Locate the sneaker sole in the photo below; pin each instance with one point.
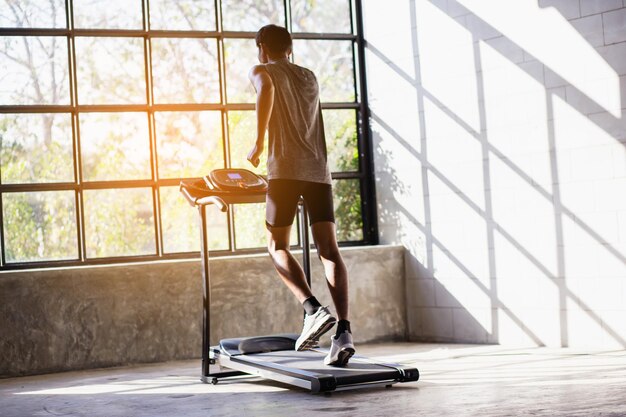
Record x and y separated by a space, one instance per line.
343 357
313 339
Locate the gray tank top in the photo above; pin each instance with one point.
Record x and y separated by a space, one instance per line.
297 145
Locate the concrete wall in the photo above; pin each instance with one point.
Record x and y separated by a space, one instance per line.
500 132
87 317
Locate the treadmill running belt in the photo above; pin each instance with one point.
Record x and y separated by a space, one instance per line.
355 372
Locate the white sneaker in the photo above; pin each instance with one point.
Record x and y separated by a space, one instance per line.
314 327
341 350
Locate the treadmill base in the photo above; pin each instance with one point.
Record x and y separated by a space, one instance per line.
306 369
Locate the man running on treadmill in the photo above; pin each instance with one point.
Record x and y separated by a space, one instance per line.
288 106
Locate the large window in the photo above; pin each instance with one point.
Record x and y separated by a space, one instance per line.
105 105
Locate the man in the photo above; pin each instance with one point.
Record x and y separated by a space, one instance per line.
288 106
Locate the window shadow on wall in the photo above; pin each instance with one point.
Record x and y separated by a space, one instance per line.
503 245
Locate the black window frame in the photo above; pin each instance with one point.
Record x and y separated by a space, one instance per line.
365 173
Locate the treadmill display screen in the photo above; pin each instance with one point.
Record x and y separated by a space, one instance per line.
234 176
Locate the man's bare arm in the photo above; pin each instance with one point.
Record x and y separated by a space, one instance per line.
264 87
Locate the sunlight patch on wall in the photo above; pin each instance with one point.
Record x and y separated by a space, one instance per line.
393 100
524 216
516 113
455 289
393 40
582 329
454 153
448 69
458 229
591 166
555 43
412 236
529 295
398 182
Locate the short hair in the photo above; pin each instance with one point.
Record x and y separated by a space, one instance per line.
276 38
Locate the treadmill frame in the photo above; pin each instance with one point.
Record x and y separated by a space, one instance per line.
214 360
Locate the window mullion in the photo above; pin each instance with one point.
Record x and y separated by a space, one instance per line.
366 155
221 62
154 162
78 172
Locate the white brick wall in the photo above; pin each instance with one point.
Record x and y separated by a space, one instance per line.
591 28
614 26
588 7
500 158
568 8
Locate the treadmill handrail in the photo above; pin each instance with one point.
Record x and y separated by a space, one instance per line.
220 203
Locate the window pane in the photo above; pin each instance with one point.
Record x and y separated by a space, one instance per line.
181 224
32 14
330 16
185 71
108 14
119 222
242 135
34 70
341 140
241 55
250 231
110 71
36 148
115 146
182 15
189 144
347 200
251 15
250 226
332 63
39 226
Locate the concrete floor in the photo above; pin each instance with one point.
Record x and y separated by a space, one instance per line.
456 380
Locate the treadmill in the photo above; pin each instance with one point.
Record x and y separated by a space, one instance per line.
273 356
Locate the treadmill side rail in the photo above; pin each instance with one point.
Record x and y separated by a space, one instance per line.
409 374
310 381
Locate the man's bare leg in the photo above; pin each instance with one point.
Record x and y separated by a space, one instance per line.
324 234
286 265
341 347
318 321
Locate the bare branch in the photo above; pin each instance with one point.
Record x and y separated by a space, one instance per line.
33 73
14 59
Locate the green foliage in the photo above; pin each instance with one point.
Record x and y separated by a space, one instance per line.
39 226
35 148
119 223
180 224
341 140
344 157
347 196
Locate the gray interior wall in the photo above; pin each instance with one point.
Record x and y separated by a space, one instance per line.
87 317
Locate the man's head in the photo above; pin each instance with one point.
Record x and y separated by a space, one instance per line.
274 42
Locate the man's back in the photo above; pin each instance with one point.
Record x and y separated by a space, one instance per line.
297 146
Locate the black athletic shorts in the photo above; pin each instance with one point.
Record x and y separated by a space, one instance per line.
282 201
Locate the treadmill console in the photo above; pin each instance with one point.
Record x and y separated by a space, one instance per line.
235 179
